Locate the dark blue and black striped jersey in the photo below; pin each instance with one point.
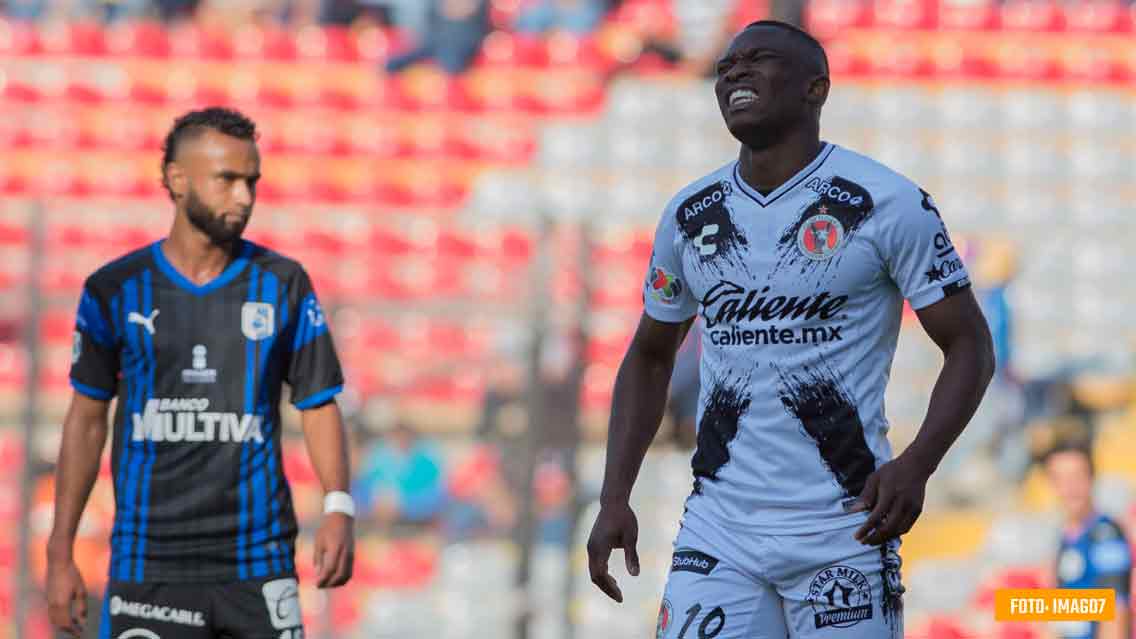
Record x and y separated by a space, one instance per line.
1096 556
198 372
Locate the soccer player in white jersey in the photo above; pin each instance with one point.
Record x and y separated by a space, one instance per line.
798 257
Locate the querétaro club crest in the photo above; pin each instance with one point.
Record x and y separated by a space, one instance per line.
665 286
820 235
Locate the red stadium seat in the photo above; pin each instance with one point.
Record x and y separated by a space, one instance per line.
566 50
191 40
829 18
968 15
1097 16
1093 61
73 38
18 39
1032 15
138 38
261 42
904 14
327 43
1017 60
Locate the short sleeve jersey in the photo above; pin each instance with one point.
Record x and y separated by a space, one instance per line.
198 373
801 293
1097 556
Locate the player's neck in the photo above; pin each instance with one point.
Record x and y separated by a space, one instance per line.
194 255
1077 520
767 168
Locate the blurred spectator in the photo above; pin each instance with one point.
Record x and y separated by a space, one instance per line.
401 479
553 494
479 503
452 37
344 12
703 30
580 17
1094 551
26 9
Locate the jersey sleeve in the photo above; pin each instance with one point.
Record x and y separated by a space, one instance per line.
666 293
313 372
94 347
1112 557
918 252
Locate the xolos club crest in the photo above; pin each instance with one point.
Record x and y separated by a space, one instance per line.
820 235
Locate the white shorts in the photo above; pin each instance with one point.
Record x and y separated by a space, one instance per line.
819 585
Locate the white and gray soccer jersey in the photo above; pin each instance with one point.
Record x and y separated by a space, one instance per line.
801 294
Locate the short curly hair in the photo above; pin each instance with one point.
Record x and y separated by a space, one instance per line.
223 120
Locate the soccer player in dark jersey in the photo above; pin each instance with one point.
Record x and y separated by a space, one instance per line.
1094 551
195 335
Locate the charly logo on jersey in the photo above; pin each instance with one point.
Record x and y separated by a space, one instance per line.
155 612
190 420
705 221
840 596
145 321
200 373
665 286
258 320
820 235
282 598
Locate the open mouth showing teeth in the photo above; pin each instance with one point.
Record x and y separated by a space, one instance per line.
741 97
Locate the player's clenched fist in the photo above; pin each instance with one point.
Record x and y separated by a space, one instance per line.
615 527
66 597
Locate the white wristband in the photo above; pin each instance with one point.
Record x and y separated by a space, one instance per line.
338 501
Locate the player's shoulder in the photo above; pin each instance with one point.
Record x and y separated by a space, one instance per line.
706 190
283 267
1105 529
864 175
114 273
883 182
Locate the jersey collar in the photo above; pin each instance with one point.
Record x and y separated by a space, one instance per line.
788 185
231 271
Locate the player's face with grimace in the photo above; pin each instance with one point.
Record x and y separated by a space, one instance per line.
214 182
769 83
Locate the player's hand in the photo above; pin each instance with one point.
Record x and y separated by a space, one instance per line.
66 597
615 527
894 495
335 550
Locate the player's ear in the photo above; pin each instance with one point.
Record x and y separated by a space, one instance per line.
817 93
176 180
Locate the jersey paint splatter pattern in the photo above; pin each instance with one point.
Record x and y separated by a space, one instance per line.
198 373
800 293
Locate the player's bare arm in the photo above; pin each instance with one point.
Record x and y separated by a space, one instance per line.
327 447
894 493
84 435
638 402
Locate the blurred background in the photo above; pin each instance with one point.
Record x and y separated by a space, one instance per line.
474 185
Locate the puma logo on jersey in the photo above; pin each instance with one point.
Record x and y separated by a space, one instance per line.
144 321
706 247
